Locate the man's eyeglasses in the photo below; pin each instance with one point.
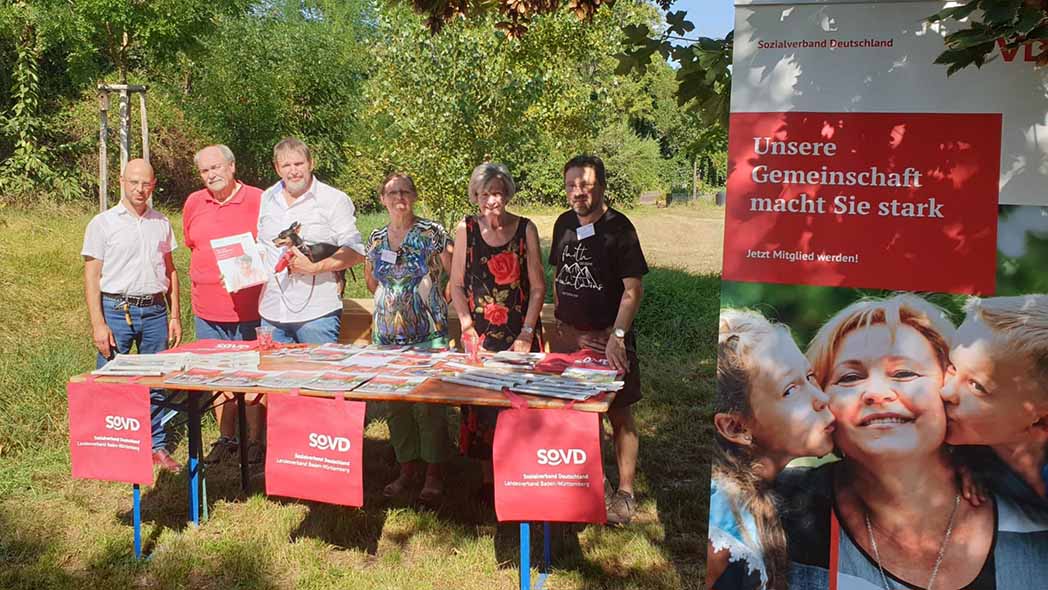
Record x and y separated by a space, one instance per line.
580 187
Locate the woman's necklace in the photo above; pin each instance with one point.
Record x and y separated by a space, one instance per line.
938 559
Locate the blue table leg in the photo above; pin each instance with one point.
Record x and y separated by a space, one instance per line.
242 435
136 520
546 547
193 431
525 556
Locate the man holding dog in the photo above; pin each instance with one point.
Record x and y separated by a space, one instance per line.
304 304
131 284
224 207
598 287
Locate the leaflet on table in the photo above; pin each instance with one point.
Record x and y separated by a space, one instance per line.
287 379
238 379
338 381
192 377
368 359
291 353
408 360
387 348
440 368
333 353
591 375
394 384
239 262
247 360
142 364
508 359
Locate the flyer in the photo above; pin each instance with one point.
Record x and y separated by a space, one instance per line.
239 262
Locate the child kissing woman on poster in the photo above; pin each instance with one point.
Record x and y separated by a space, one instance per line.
996 393
768 412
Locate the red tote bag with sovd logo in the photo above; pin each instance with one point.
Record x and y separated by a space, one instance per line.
109 432
314 449
548 465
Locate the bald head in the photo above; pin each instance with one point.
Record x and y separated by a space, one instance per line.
139 166
137 181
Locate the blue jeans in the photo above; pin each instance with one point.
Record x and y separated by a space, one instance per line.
320 330
208 330
148 332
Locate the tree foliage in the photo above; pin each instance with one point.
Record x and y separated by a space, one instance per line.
368 86
1008 22
704 77
438 105
287 68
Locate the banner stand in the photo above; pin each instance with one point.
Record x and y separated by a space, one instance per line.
525 557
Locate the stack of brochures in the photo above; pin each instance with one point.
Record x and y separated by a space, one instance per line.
556 386
145 365
507 359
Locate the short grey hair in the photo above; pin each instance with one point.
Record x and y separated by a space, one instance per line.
224 149
487 173
291 144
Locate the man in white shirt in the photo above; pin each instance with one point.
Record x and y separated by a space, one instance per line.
304 303
130 281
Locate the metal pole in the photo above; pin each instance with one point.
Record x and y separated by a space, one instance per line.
136 520
145 126
103 152
525 556
125 131
145 132
694 178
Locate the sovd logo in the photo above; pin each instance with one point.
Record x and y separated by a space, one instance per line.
122 423
561 456
326 442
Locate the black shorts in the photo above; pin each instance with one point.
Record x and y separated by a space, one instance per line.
562 338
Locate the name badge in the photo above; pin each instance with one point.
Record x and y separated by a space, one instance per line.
585 231
389 256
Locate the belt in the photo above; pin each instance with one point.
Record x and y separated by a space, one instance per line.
137 300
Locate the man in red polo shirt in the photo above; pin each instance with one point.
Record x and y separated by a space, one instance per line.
224 207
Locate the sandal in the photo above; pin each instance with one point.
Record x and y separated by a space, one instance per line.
399 485
433 489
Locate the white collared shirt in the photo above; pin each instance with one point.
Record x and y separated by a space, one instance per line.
327 216
131 249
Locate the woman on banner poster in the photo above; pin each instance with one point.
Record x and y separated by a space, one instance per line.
890 514
768 412
996 394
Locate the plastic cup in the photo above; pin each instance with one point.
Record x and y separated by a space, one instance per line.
265 337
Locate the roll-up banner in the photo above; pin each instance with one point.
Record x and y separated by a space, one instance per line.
882 406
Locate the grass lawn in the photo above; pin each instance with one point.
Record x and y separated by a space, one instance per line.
59 533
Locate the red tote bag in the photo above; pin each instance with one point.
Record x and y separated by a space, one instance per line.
548 466
314 449
109 432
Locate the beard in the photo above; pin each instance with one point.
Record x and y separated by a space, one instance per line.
297 186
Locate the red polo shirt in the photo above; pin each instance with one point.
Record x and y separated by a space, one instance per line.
203 220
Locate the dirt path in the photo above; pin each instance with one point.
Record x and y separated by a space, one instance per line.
687 237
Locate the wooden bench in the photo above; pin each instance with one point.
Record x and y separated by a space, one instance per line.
357 314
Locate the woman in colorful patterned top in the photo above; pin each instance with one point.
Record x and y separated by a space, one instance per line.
404 265
497 287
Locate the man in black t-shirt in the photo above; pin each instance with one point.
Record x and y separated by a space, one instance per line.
598 286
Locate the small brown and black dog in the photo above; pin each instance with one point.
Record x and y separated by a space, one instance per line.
289 239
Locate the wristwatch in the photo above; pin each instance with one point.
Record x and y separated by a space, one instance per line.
618 333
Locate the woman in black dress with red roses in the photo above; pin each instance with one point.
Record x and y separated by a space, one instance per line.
497 288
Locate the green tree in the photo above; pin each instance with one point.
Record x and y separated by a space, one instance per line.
440 104
286 68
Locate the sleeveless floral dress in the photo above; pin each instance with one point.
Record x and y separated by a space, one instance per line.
497 287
